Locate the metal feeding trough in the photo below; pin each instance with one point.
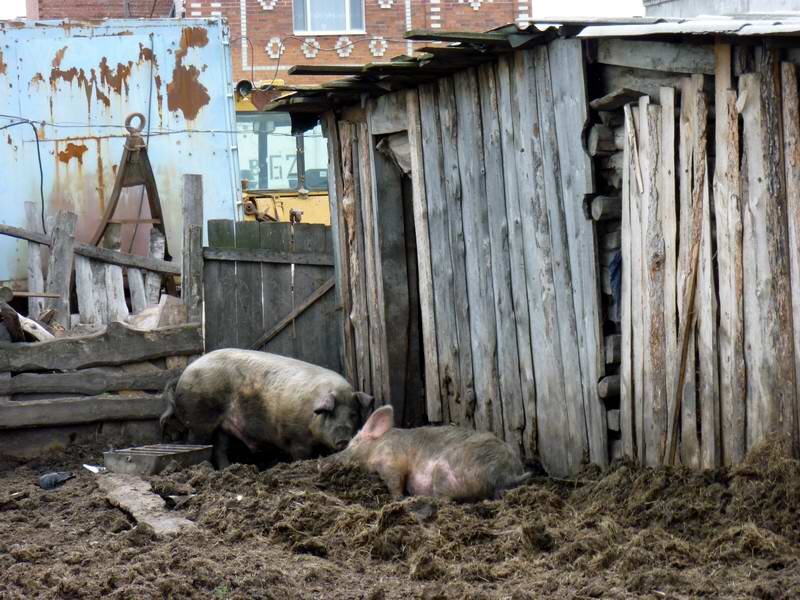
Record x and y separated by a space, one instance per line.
149 460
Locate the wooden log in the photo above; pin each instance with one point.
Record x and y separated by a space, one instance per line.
344 300
656 56
668 216
609 386
654 383
475 210
728 212
627 410
192 264
508 112
791 140
33 329
615 99
119 344
137 291
689 440
59 270
114 282
571 113
87 381
613 347
613 419
606 208
433 398
152 279
73 411
612 240
353 247
462 402
604 140
771 397
33 222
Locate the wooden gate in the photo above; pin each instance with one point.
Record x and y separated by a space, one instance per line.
269 286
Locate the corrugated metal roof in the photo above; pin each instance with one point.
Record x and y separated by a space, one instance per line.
740 25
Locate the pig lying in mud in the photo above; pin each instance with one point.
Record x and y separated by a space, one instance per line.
449 462
264 399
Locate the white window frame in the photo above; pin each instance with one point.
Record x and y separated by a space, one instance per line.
346 31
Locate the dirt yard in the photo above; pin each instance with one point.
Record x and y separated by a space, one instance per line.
312 530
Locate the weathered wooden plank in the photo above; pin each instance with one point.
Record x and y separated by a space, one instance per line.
506 91
357 317
477 243
615 99
508 417
375 301
261 255
276 286
33 222
249 317
626 401
68 411
192 264
59 270
668 217
152 280
114 283
771 362
388 114
690 88
791 141
433 398
87 381
571 114
219 279
344 300
137 291
391 234
655 375
638 289
442 274
462 406
117 345
315 338
728 211
656 56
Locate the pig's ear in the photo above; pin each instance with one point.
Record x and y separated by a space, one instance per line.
364 399
325 403
379 422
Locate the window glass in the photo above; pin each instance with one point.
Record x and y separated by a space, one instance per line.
268 153
300 15
327 15
356 14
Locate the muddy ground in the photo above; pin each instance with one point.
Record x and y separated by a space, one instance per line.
311 530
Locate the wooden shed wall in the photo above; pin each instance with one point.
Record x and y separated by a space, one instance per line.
506 258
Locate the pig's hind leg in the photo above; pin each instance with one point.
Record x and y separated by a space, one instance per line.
221 443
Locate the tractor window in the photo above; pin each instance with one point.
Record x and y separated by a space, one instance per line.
271 158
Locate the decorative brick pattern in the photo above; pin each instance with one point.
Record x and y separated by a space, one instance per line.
267 25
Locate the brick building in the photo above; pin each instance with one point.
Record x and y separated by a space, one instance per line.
269 36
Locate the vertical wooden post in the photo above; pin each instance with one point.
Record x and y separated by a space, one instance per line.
192 264
59 272
113 282
137 290
627 412
33 222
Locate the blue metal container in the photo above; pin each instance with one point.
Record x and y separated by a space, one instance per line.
78 81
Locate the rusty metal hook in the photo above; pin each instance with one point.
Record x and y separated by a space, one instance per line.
134 130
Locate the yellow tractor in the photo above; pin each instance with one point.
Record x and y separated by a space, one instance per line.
284 176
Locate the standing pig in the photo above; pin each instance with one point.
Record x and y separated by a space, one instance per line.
262 398
451 462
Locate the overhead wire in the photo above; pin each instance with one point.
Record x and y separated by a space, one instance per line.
39 158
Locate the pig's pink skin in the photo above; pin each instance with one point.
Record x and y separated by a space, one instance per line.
449 462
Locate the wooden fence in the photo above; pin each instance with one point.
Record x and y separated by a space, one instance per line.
505 257
711 277
268 287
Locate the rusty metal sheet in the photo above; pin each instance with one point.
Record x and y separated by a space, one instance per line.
78 81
